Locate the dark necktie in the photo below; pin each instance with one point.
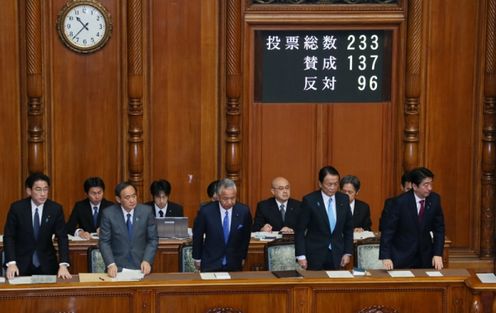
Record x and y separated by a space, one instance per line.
161 213
129 225
421 211
283 212
225 227
36 231
95 215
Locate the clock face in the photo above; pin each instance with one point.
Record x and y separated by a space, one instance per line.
84 26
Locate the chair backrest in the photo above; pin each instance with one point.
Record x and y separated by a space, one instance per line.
378 309
280 255
186 263
95 260
367 254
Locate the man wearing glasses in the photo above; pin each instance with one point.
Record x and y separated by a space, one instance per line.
278 213
128 233
28 232
324 233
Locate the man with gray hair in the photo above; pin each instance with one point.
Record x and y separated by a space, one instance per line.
221 232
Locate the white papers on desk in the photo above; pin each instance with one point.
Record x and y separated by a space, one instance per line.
94 236
20 280
266 235
339 274
363 235
2 280
35 279
218 275
401 274
76 238
129 275
487 278
434 273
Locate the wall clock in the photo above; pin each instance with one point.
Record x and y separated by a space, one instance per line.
84 26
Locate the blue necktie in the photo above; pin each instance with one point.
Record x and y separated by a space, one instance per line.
330 213
95 215
129 225
225 226
36 231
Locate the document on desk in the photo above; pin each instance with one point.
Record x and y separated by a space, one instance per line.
487 278
75 238
129 275
93 277
20 280
401 274
218 275
434 273
339 274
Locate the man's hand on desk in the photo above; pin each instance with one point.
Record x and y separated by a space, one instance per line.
388 264
84 235
197 264
146 268
266 228
12 271
303 263
64 272
112 270
345 260
287 230
437 262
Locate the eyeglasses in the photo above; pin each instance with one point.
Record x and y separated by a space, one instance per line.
281 188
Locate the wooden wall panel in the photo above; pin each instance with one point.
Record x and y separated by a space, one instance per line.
183 98
84 101
360 138
451 130
279 141
11 183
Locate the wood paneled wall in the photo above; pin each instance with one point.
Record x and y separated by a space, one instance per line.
170 96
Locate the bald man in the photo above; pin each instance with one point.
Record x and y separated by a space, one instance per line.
278 213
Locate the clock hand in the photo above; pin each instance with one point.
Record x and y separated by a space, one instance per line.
78 32
84 25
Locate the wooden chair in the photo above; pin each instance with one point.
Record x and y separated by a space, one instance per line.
378 309
95 260
280 255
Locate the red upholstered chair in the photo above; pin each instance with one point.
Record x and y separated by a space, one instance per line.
378 309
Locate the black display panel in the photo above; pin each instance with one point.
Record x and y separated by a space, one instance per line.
310 66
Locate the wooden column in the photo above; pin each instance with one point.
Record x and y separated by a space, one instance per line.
488 138
135 94
412 85
35 111
233 90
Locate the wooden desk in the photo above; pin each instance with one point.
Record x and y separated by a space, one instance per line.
248 292
476 288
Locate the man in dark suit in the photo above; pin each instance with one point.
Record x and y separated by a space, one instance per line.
278 213
324 232
405 186
128 233
350 185
30 224
406 240
162 207
221 232
86 214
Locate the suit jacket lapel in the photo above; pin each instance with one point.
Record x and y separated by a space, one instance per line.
276 212
235 221
321 209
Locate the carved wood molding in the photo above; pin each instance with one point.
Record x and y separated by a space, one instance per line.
488 157
412 85
233 91
135 94
35 110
